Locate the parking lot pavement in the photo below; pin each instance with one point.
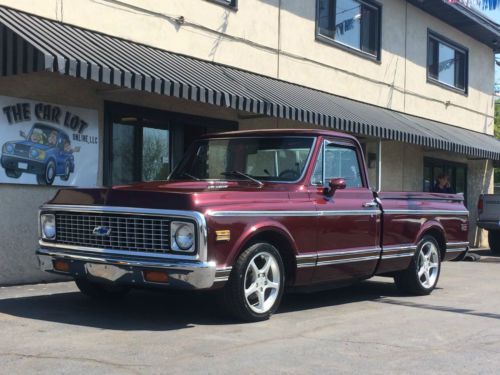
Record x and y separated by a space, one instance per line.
367 328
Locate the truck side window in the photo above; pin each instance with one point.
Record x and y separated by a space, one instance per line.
340 161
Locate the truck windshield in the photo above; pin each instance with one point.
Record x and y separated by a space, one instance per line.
280 159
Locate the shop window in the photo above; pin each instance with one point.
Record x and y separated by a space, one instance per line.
145 145
456 172
354 24
446 63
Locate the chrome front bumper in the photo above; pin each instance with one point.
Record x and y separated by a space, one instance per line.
181 274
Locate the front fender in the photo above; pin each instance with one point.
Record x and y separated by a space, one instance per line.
254 230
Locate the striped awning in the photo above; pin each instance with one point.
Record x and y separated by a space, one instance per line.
30 43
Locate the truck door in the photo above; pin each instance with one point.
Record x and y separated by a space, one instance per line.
348 241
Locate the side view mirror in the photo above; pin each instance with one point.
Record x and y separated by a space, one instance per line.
23 134
333 185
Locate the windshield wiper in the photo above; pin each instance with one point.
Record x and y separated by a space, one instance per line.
238 173
190 176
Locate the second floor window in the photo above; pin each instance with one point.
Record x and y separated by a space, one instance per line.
352 23
446 63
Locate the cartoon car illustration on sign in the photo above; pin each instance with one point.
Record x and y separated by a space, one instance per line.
45 151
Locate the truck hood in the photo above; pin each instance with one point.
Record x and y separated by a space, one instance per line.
192 195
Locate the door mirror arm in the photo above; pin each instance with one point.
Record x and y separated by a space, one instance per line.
333 185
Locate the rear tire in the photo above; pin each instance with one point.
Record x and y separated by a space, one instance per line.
255 287
421 277
101 291
494 242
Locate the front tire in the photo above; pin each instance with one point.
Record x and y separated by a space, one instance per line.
49 175
494 242
255 287
101 291
421 277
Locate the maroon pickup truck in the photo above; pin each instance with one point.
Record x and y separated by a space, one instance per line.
253 213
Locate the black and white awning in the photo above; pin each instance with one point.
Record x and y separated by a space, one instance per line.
30 44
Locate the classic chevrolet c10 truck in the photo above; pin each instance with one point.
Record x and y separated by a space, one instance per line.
252 214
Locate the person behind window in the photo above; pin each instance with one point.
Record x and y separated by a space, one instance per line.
443 185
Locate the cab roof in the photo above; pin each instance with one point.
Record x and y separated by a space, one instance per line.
280 132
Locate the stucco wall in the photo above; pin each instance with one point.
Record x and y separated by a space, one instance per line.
280 42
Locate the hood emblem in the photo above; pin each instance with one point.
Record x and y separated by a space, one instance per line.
101 231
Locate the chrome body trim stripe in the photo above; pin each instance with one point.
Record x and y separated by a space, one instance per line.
350 260
294 213
425 212
306 265
334 213
456 250
349 252
395 256
199 218
395 249
457 244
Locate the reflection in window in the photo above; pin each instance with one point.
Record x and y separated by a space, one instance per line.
353 23
340 162
447 63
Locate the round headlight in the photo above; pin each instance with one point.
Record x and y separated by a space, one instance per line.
34 153
9 148
184 237
48 224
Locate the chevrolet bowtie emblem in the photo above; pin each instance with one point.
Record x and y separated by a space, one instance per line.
102 231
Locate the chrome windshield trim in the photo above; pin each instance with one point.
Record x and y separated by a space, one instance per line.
198 217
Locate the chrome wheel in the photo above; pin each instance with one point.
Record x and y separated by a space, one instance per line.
428 265
262 282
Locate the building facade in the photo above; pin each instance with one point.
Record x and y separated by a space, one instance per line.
132 83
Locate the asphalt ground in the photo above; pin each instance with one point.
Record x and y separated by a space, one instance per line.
369 328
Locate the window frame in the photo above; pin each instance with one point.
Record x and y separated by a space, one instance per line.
456 47
432 162
333 42
112 110
345 144
233 4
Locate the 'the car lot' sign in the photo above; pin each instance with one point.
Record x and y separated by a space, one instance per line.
48 144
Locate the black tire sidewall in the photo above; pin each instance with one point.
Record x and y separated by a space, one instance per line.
52 165
494 241
237 281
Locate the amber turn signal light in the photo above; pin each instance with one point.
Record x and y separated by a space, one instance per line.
156 276
61 266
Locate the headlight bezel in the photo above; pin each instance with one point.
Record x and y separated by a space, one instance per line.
176 242
6 147
44 219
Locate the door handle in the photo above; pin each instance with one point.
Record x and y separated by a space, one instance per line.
370 204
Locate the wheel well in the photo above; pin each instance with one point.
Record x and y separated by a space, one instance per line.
439 237
284 247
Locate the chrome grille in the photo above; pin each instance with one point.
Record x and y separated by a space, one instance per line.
22 150
149 234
